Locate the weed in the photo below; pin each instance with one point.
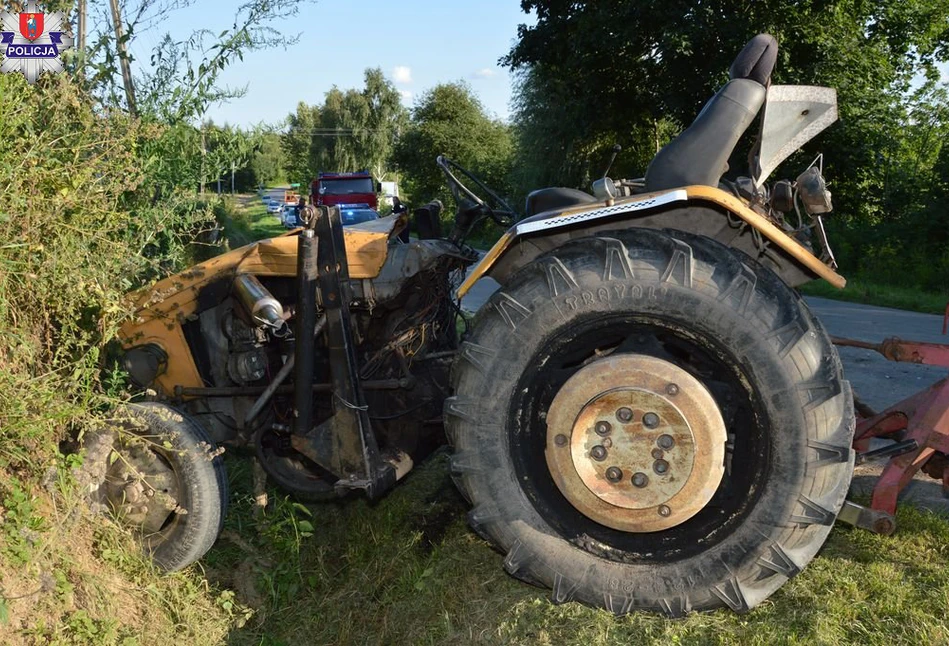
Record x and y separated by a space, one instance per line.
22 526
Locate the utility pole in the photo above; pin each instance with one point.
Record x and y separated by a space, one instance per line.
204 152
232 178
123 57
81 28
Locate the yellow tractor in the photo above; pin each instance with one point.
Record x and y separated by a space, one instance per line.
644 415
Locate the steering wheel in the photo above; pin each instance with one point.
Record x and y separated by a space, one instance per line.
504 216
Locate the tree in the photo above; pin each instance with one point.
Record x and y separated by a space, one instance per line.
352 130
266 163
595 72
449 120
297 143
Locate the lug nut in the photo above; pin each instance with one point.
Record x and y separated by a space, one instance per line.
650 420
602 428
640 480
660 466
672 390
614 474
665 442
664 510
560 440
598 453
657 454
624 414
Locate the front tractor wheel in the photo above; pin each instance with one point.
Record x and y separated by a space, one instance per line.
166 482
649 420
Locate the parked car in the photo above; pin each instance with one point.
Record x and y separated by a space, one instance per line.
356 213
349 214
274 207
290 217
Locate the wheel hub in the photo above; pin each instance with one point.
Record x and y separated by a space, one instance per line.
141 488
635 443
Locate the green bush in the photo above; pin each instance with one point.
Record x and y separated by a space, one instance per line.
83 219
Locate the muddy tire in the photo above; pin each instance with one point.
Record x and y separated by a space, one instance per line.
167 483
708 314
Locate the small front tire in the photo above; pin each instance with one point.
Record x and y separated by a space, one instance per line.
166 481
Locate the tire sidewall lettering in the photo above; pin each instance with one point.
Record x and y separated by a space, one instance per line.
619 292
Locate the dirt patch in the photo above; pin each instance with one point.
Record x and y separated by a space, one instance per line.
443 507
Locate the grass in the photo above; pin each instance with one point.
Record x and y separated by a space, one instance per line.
871 292
245 219
406 570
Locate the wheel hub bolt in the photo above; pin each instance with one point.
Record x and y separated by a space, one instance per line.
624 414
614 474
672 390
560 440
665 442
650 420
664 510
660 466
598 453
603 428
640 480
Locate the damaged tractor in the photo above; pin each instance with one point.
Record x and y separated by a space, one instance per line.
645 415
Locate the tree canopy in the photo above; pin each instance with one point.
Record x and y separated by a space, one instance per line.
594 73
351 130
450 120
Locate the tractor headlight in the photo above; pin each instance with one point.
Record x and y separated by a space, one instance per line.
813 191
145 363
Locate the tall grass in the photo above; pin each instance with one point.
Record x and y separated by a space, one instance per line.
79 226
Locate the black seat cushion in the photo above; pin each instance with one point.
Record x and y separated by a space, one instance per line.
699 155
556 197
756 60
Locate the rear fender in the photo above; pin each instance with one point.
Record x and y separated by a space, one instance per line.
701 210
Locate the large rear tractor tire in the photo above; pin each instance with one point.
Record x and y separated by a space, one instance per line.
166 482
649 420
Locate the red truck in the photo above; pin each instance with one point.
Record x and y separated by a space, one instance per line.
344 188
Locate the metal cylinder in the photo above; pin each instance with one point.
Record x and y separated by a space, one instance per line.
258 302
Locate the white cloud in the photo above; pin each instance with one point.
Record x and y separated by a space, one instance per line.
484 72
402 74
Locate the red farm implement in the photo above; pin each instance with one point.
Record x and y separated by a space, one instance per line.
917 426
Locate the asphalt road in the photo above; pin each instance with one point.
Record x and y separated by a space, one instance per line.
879 383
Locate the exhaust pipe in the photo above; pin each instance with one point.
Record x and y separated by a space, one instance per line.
260 304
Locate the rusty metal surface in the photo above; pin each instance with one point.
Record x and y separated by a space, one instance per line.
927 422
878 522
922 417
635 443
895 349
141 488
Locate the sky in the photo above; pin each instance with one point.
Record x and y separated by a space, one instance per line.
417 43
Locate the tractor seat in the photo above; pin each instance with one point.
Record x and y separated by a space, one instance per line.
699 155
555 197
